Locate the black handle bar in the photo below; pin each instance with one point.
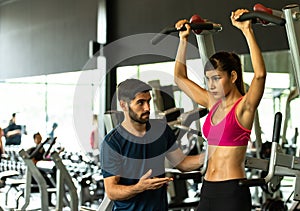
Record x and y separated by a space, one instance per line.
45 156
277 127
262 16
37 149
194 26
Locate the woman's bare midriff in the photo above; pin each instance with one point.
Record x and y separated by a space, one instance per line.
225 163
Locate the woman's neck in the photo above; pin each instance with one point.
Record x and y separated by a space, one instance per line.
229 100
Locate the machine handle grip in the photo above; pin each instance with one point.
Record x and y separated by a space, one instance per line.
194 26
252 182
262 16
47 153
277 127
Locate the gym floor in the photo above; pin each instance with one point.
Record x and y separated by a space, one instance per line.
35 201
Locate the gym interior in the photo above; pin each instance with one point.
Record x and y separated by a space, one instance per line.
61 62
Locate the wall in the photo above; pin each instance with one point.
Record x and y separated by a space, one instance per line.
51 36
130 17
41 37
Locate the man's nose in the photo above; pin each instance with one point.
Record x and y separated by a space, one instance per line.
147 106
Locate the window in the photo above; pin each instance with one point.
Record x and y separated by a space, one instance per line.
274 99
41 101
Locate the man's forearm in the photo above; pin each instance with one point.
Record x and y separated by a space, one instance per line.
122 192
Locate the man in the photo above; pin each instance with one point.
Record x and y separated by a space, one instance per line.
133 154
13 132
48 174
37 138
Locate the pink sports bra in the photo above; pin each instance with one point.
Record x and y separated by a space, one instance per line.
228 132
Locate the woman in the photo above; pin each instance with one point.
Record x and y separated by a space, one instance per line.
228 125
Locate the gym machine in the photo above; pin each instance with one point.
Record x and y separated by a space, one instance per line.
33 172
290 17
63 179
177 118
280 164
11 172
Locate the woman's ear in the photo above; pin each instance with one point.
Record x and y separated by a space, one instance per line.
233 76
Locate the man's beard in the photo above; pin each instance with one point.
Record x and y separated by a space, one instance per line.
134 116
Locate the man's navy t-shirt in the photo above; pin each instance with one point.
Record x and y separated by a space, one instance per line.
131 157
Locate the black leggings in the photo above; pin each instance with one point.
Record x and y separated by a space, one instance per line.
224 196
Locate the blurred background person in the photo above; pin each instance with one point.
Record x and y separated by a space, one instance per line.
94 139
13 132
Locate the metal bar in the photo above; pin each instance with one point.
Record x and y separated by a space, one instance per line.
33 171
64 178
292 16
257 163
206 46
106 204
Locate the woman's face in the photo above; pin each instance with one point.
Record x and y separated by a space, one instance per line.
219 83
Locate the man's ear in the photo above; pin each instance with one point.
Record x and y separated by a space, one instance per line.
233 76
124 105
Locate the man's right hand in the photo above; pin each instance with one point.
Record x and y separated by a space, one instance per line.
115 191
151 183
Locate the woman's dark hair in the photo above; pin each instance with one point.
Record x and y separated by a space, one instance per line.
227 61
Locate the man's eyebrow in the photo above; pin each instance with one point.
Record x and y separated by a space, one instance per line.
139 100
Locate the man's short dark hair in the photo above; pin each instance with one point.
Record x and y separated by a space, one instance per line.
128 89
